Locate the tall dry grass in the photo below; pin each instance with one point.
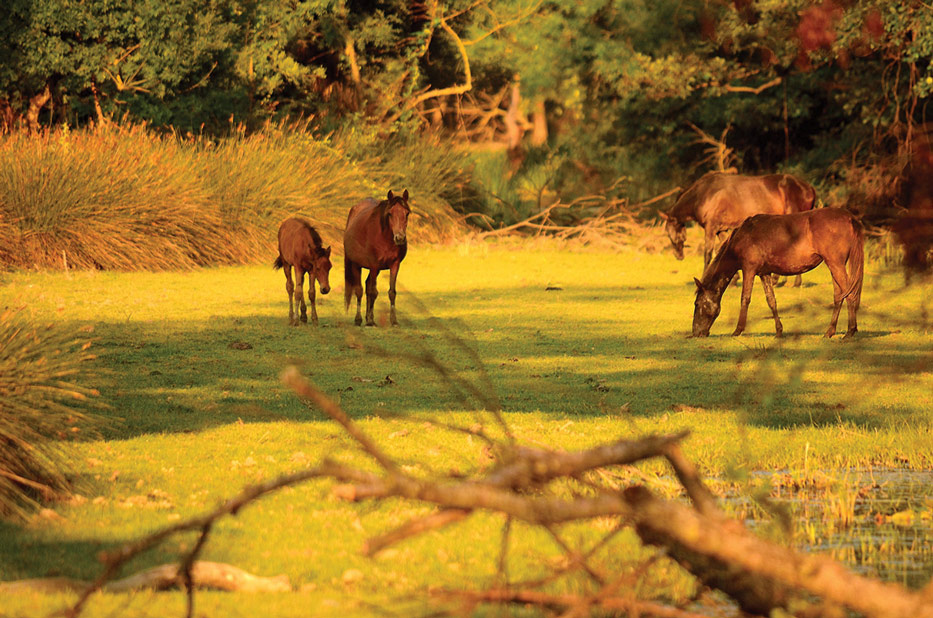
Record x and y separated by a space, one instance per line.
42 404
126 198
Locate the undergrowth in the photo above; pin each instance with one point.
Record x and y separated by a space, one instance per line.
126 198
44 400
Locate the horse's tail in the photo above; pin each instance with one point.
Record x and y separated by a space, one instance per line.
857 259
278 263
350 281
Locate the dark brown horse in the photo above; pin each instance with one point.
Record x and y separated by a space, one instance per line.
720 202
300 246
374 239
785 245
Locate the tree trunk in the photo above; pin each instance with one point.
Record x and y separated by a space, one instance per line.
515 129
539 132
36 104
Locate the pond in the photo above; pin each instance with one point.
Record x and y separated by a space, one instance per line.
878 522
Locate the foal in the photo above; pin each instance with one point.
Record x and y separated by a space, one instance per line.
785 245
300 246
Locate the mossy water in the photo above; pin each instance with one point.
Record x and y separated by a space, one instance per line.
577 346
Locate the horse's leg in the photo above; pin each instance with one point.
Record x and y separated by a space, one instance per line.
798 280
299 292
371 295
311 296
290 288
354 277
709 244
748 280
393 274
768 284
840 284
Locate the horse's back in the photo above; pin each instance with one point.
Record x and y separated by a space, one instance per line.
730 199
296 239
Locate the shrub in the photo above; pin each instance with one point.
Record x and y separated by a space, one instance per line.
43 404
126 198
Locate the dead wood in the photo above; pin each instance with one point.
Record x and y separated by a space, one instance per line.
204 575
562 602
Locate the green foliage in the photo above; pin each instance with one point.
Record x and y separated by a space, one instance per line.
45 393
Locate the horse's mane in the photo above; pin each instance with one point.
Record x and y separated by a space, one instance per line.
315 237
717 260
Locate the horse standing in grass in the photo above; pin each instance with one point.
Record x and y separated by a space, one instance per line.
785 245
720 202
300 246
374 239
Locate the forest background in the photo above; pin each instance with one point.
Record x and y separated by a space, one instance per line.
526 103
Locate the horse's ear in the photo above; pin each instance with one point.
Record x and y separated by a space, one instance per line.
391 195
699 285
327 252
405 195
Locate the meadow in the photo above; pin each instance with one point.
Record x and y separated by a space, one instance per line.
578 345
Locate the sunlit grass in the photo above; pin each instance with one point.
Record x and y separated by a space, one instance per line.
604 356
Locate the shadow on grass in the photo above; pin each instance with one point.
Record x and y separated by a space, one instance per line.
187 376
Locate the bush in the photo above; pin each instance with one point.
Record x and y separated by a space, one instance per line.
125 198
43 404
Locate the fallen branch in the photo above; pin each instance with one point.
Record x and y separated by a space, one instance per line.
204 575
564 602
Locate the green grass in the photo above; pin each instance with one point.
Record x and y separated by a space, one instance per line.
194 417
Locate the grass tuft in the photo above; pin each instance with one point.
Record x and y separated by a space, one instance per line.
126 198
43 403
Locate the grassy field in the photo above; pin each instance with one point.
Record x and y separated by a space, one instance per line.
579 346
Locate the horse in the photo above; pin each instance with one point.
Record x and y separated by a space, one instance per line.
300 246
375 239
720 202
785 245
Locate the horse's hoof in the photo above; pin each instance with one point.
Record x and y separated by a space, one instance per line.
738 332
850 333
370 323
358 321
829 334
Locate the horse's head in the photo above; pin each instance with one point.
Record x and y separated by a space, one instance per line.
705 310
677 232
798 195
396 216
322 268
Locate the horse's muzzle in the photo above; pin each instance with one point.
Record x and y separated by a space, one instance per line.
399 239
325 290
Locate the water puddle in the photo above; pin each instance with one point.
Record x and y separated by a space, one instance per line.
878 522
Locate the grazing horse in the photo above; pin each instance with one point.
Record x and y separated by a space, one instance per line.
720 202
300 246
374 239
785 245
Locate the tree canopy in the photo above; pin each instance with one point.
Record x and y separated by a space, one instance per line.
620 87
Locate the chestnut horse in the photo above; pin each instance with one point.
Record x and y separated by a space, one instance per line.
785 245
300 246
720 202
374 239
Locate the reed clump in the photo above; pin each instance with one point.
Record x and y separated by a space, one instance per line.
43 405
122 197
